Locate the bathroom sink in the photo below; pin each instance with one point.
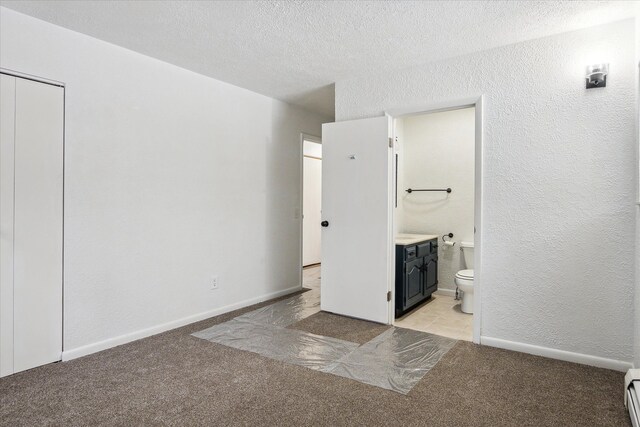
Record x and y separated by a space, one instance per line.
403 239
408 239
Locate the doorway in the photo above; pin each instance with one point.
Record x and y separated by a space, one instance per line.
434 209
311 211
473 106
359 191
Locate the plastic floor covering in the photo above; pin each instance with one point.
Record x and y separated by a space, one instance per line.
394 360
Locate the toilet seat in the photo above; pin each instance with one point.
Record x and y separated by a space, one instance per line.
465 274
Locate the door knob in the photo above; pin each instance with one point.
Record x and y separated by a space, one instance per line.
324 223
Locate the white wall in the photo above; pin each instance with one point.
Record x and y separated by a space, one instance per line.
558 189
439 152
170 178
636 351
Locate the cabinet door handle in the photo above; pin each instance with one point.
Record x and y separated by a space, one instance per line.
324 223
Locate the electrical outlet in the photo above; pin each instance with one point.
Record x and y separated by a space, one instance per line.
214 283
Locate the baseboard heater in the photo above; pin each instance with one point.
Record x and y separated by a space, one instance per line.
632 395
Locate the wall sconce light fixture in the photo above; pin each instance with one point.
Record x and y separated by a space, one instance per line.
597 75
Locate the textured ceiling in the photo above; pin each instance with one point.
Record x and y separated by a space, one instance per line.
296 50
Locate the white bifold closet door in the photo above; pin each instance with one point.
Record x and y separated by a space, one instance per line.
31 196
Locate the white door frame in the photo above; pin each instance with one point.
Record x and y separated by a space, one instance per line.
477 102
313 138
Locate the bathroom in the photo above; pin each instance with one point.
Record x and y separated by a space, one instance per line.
434 209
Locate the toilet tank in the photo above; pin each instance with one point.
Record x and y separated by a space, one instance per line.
467 251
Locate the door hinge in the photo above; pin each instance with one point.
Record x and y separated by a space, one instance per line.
389 296
390 142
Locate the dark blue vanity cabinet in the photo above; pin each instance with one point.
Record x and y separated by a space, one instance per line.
416 274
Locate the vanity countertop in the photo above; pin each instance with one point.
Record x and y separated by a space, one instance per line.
410 239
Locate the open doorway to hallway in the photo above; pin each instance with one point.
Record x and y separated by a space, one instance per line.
311 211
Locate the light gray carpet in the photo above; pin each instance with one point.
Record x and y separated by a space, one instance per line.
176 379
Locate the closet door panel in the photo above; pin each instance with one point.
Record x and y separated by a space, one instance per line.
7 117
38 224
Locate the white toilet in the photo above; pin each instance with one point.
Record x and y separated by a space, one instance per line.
464 278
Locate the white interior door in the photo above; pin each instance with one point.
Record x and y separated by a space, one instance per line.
356 184
312 202
31 259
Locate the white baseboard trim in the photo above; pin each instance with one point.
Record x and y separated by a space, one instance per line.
567 356
446 292
143 333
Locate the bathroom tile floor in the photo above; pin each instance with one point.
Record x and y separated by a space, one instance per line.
440 315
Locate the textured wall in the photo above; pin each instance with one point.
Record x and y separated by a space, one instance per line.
636 348
171 177
558 199
438 152
636 351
